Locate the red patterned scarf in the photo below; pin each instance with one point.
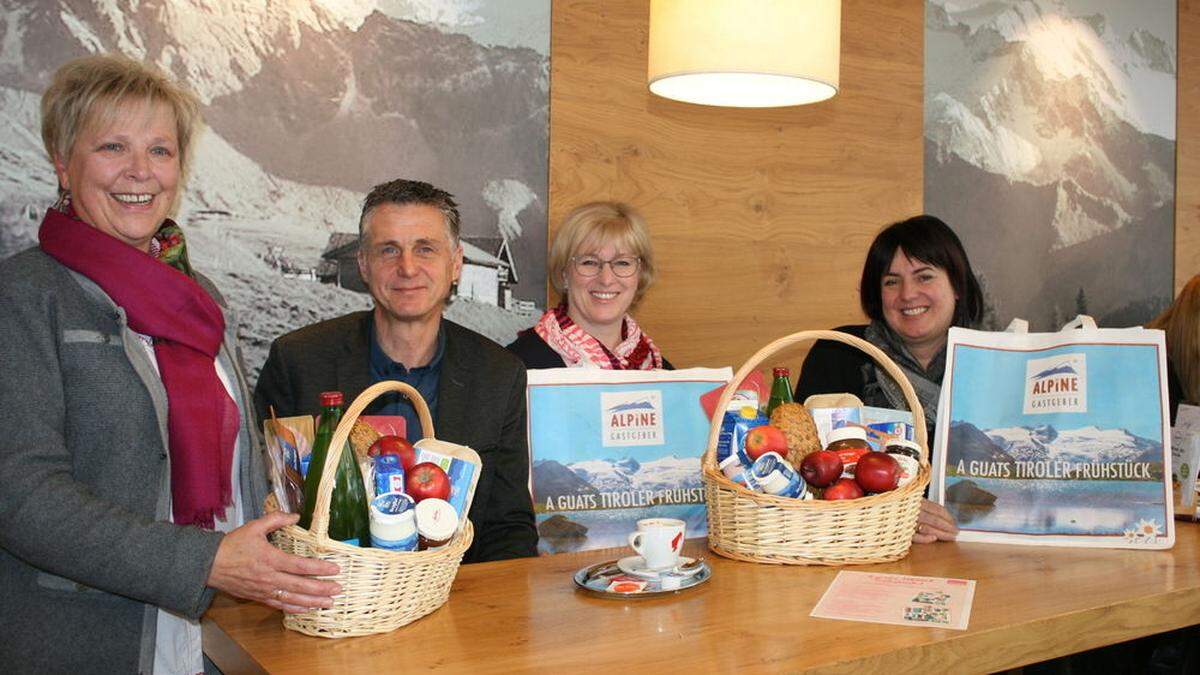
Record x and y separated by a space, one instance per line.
579 349
188 327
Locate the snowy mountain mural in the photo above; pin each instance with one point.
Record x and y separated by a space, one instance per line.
595 502
1088 444
615 475
1039 480
308 104
668 472
1049 147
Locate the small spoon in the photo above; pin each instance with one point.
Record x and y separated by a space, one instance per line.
600 569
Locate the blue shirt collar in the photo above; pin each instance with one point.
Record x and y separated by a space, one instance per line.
382 365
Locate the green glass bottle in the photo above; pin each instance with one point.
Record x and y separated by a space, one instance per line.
781 390
348 516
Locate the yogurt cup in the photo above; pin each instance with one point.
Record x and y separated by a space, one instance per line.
393 522
775 476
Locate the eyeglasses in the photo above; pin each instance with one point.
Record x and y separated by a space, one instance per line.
622 266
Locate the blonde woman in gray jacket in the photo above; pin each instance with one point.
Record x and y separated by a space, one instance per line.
131 479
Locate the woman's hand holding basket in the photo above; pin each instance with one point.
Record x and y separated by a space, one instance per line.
248 566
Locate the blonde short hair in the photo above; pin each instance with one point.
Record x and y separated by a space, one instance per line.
589 227
91 89
1181 323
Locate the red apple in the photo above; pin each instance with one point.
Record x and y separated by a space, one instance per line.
426 480
845 488
395 445
821 468
763 439
877 472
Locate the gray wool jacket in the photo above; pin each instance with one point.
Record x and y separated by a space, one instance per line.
87 555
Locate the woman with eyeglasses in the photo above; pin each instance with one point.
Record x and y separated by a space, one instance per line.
601 264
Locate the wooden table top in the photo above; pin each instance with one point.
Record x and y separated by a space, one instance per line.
1031 604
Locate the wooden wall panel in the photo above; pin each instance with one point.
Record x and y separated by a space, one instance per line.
759 218
1187 146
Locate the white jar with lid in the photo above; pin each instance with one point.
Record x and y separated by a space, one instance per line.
907 454
437 522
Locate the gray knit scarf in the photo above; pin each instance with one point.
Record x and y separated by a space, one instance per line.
882 391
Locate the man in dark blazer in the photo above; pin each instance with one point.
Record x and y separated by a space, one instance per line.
410 256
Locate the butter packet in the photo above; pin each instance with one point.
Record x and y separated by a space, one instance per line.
626 584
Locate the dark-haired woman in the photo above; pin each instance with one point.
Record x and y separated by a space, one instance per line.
916 284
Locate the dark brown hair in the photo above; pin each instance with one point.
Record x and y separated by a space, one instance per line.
928 239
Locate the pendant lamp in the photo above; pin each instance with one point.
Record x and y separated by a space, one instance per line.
745 53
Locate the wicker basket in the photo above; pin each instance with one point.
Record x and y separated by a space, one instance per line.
757 527
381 590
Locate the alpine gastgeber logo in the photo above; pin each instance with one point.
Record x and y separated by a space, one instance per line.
1056 384
632 418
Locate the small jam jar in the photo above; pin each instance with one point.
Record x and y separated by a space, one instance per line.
849 443
908 455
436 523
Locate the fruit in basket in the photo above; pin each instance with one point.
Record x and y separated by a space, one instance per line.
763 439
877 472
821 468
798 427
845 488
395 445
427 480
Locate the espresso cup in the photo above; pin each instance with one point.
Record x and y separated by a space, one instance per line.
659 541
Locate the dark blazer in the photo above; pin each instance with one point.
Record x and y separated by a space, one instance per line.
834 368
536 354
481 404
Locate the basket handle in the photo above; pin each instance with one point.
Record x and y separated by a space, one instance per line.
320 518
910 395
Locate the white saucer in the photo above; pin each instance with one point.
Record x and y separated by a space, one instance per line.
636 565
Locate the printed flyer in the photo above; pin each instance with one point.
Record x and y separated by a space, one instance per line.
1056 438
898 599
612 447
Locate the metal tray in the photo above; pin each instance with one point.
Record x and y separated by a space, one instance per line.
607 581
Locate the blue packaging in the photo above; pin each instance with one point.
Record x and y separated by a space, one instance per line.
389 474
773 475
734 427
879 433
734 467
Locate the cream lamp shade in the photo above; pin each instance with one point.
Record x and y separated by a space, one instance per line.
745 53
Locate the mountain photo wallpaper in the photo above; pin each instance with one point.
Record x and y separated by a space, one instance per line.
308 104
1050 149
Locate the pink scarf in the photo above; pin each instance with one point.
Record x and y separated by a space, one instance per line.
187 327
579 349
